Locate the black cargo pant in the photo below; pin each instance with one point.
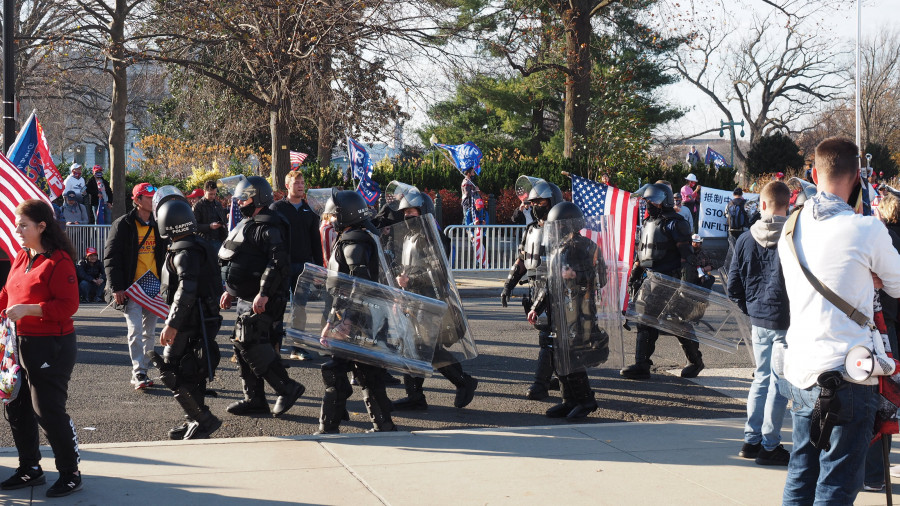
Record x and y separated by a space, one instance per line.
47 363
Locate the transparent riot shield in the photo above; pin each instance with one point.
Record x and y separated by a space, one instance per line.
394 192
583 281
226 185
687 310
417 264
365 321
317 197
524 184
164 194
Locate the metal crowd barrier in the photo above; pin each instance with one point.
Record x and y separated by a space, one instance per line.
501 243
87 236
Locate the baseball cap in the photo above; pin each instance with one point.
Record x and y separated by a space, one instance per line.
696 238
780 175
197 193
90 251
145 189
97 169
71 195
76 167
479 204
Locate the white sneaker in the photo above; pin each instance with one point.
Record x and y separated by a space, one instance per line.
895 471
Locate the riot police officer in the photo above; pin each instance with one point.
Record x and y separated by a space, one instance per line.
255 265
543 196
418 278
583 272
190 284
355 253
665 247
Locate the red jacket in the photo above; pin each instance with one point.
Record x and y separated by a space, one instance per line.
51 282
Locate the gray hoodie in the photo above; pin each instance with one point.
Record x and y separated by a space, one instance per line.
767 230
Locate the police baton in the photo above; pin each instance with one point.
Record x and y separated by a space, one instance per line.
210 372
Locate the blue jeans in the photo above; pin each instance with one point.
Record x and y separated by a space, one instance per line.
765 404
836 476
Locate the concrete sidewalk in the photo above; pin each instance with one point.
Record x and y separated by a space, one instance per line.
679 463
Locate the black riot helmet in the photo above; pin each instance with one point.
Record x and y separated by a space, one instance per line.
257 188
570 213
418 199
349 208
657 193
175 218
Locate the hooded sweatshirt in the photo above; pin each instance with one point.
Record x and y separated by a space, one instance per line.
755 281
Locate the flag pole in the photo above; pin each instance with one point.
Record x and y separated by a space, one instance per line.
9 74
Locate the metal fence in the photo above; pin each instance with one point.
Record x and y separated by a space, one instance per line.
501 244
87 236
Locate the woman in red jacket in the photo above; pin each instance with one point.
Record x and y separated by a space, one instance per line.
40 296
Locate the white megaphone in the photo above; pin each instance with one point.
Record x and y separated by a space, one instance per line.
861 364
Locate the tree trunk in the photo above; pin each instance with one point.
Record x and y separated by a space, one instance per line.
577 22
325 129
117 112
279 127
325 123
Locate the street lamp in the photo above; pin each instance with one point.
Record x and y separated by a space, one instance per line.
730 125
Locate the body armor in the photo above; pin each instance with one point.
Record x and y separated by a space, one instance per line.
655 242
534 249
243 265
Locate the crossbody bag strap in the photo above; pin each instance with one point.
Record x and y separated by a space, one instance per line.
789 228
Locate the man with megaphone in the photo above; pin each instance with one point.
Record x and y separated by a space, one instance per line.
832 260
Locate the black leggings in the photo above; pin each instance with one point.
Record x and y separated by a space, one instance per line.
47 363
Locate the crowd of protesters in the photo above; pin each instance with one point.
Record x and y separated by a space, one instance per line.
779 259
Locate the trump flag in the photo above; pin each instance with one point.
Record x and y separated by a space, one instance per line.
462 156
31 155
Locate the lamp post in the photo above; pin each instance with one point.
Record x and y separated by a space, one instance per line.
731 125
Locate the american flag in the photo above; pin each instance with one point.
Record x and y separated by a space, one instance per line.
480 255
297 158
16 188
145 292
234 216
598 199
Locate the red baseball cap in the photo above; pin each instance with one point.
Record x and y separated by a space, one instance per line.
780 175
196 194
97 169
145 189
90 251
479 204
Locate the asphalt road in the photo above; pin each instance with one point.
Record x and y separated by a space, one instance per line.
105 408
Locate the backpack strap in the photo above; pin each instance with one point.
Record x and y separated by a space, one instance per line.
789 228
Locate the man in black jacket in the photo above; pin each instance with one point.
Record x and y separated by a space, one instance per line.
211 218
98 189
133 248
304 241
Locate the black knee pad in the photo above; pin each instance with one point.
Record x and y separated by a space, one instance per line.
259 357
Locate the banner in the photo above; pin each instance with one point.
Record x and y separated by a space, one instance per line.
462 156
713 203
31 155
713 156
360 165
369 189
